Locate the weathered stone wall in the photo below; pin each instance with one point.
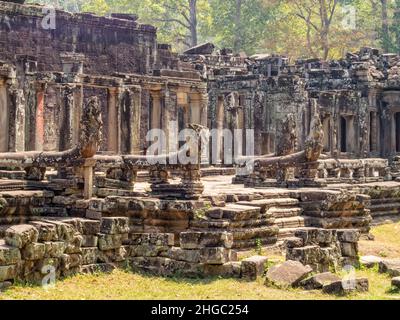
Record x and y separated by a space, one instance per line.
110 45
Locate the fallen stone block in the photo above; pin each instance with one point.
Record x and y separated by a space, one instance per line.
343 287
390 266
33 251
229 269
370 261
20 235
253 267
287 274
198 240
114 225
9 255
317 281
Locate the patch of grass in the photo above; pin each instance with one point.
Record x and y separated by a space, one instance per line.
385 245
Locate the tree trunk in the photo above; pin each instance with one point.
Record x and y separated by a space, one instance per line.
385 27
193 22
396 25
237 46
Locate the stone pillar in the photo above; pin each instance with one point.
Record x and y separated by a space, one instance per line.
78 103
155 115
16 103
113 124
4 118
195 108
88 178
220 128
39 123
166 118
135 119
67 119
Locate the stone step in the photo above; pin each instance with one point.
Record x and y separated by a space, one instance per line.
385 206
265 220
12 174
237 212
292 222
255 233
253 243
265 204
286 233
285 212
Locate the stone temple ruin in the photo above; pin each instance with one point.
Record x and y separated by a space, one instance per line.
78 192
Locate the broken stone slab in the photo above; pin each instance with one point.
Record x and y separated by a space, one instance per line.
287 274
199 240
33 251
9 255
370 261
253 267
114 225
343 287
317 281
390 266
20 235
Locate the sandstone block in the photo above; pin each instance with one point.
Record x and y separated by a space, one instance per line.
20 235
342 287
54 249
349 249
348 235
370 261
114 225
89 241
89 255
317 281
180 254
396 282
215 255
287 274
253 267
198 240
9 255
110 241
8 272
157 239
33 251
390 266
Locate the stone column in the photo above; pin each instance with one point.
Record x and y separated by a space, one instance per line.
135 119
88 178
16 103
166 118
195 108
155 115
4 118
220 128
112 125
67 119
39 118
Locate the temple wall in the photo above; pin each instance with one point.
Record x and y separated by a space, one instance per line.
110 45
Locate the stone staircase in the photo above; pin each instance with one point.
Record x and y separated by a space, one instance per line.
383 210
252 223
285 212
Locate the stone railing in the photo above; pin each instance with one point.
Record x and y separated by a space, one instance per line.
121 173
354 171
297 169
77 161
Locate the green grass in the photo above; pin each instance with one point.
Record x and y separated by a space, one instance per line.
122 284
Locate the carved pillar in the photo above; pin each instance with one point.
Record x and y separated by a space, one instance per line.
112 125
195 108
155 114
220 128
135 119
40 122
16 104
4 117
67 119
166 118
88 168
